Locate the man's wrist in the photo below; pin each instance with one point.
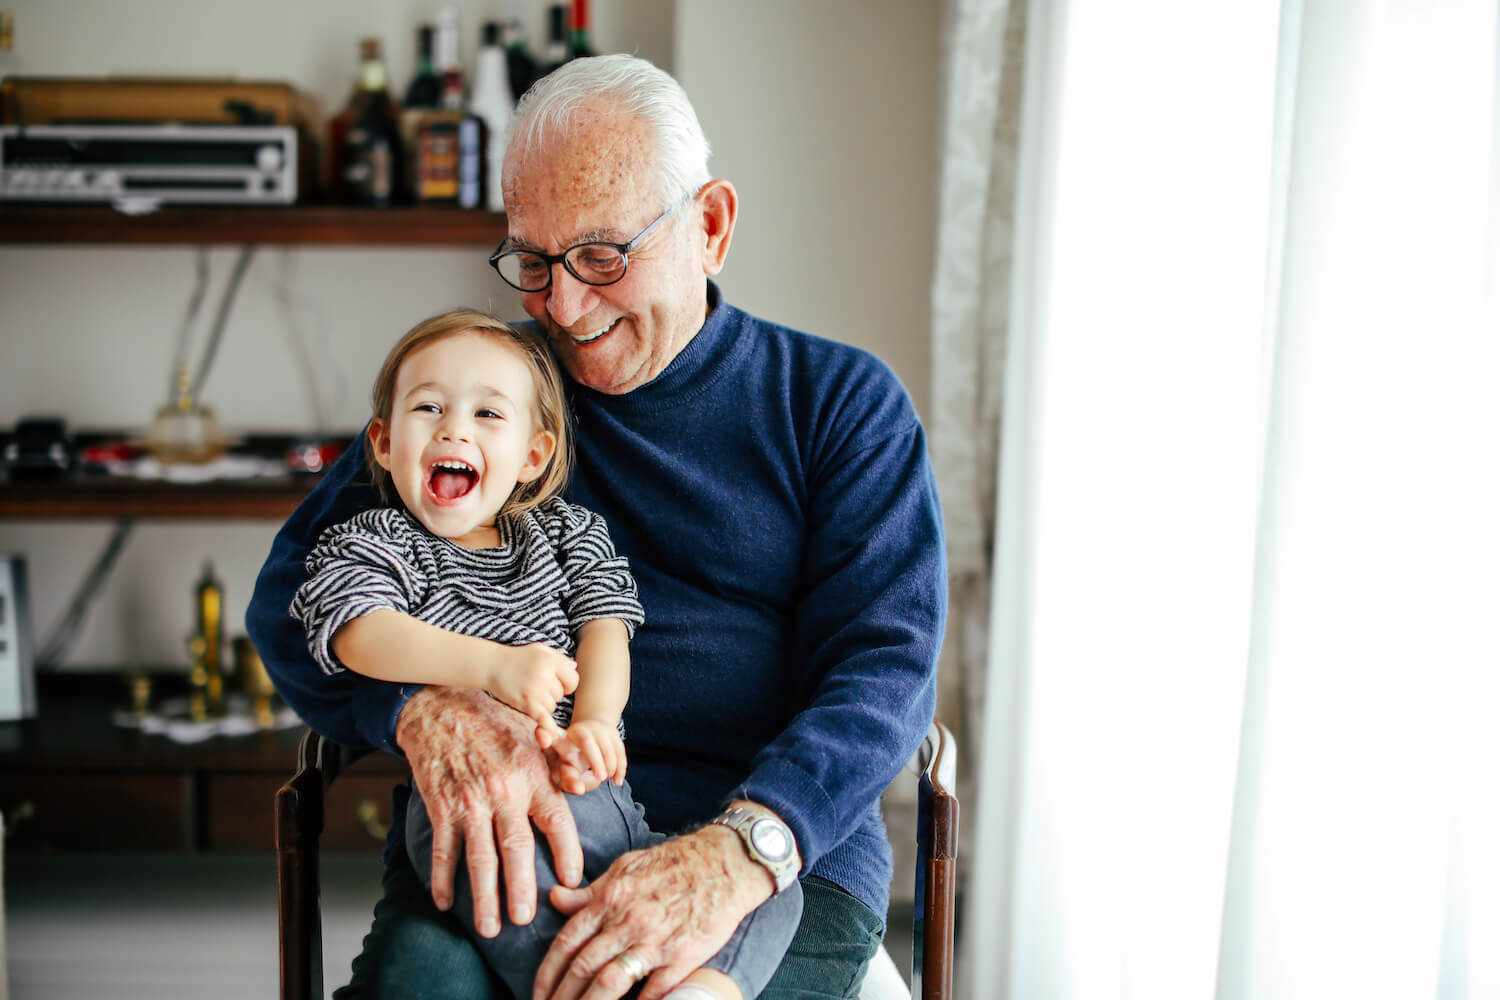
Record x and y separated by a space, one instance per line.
766 841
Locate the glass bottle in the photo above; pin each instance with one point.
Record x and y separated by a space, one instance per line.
373 157
493 102
579 44
451 151
558 51
423 94
519 63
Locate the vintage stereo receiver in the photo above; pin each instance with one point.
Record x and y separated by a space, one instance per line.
166 164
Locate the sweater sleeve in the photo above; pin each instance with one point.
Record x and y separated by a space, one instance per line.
344 706
600 584
358 566
867 630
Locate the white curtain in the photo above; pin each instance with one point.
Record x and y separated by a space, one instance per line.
1243 696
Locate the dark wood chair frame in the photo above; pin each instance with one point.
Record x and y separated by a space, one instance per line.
299 823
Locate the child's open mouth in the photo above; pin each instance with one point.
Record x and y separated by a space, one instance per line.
450 480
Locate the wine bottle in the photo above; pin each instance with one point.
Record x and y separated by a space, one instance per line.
558 51
423 94
373 157
493 102
519 63
579 44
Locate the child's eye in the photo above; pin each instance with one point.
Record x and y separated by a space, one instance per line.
427 408
489 414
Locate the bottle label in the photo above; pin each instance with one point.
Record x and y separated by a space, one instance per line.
437 160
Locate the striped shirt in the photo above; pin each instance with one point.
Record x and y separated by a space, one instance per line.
553 571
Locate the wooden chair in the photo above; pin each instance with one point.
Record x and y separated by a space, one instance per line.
299 822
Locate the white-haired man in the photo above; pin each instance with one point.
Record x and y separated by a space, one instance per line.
773 495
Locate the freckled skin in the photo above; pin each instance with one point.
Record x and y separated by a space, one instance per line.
597 182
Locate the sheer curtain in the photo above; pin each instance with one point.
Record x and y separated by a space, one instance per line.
1240 723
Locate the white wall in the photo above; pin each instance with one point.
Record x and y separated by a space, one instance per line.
823 114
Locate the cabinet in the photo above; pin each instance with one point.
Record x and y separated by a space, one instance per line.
73 780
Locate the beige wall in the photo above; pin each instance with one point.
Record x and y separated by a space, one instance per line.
822 113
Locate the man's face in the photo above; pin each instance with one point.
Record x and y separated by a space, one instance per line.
598 184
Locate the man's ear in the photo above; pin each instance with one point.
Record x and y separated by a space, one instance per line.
380 443
720 206
543 444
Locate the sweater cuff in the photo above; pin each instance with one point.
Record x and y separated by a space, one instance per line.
377 705
801 802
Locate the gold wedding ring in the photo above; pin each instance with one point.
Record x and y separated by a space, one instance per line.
633 965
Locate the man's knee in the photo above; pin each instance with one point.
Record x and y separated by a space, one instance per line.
833 946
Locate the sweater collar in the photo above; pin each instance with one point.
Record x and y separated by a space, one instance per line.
695 370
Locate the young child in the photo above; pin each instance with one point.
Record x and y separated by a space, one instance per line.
470 427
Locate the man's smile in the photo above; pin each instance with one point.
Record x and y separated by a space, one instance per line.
589 338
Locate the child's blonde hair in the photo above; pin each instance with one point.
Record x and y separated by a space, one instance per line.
551 404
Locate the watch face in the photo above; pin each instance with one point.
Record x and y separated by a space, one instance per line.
771 840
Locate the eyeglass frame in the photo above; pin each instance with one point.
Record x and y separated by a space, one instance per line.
551 259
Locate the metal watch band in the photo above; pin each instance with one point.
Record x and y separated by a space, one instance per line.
782 865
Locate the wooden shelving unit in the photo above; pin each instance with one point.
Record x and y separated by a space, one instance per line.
106 497
297 225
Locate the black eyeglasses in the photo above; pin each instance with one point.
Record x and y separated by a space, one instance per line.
591 263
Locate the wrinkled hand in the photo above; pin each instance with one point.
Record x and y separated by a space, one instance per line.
672 906
532 679
590 752
485 783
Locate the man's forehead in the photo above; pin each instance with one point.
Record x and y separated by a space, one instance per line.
588 184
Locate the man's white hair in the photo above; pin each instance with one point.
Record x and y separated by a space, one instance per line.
631 85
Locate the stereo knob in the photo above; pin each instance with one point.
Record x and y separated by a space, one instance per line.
268 158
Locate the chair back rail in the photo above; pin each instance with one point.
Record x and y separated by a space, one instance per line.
936 878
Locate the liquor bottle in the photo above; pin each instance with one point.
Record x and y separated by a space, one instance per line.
558 51
519 64
493 102
451 150
579 45
423 95
373 157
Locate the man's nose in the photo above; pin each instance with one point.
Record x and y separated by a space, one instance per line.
568 299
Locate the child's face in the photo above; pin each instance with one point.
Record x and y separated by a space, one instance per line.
462 434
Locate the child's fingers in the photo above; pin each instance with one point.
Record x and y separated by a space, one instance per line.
595 755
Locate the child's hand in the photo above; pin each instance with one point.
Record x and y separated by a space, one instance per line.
589 752
532 679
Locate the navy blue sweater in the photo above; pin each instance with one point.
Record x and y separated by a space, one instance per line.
773 495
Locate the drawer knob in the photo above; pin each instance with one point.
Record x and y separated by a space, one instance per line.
368 814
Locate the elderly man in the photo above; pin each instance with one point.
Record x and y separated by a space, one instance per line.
773 495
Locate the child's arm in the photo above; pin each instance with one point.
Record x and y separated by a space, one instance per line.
391 646
592 741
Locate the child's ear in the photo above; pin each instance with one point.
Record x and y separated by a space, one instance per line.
380 443
543 445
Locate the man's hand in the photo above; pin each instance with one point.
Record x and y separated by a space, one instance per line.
671 906
589 752
532 679
484 780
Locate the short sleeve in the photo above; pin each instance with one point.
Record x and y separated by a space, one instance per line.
600 584
359 566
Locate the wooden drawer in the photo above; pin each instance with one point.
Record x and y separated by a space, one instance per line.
240 811
97 811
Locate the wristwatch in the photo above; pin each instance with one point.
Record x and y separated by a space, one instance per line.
768 841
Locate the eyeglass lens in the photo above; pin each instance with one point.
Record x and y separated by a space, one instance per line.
591 263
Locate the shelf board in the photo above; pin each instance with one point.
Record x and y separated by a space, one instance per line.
297 225
105 497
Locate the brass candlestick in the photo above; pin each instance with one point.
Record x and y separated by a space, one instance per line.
210 600
255 680
198 680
